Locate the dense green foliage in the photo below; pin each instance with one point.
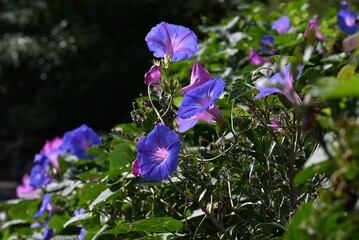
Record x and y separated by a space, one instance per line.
239 179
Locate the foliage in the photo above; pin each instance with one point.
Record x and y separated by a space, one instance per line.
270 168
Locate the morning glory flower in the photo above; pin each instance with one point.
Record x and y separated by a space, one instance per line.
153 77
44 205
208 116
267 45
347 20
39 177
52 151
79 140
313 30
25 190
198 76
136 168
201 98
281 25
173 41
255 59
279 83
157 153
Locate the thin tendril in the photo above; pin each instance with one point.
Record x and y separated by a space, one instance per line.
153 106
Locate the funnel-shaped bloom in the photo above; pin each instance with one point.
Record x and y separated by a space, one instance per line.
198 76
52 150
255 59
153 77
281 25
25 190
166 39
347 19
157 153
39 176
312 31
79 140
201 98
44 205
280 83
267 45
208 116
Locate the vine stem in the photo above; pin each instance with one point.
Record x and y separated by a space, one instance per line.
153 106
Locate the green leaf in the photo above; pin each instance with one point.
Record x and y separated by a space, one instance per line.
296 224
309 172
89 192
346 72
110 192
349 88
78 218
159 224
58 221
121 159
240 88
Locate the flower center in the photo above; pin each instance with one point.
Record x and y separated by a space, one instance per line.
161 154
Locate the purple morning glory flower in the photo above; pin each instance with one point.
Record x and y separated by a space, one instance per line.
174 41
267 45
255 59
313 29
347 20
281 25
51 150
43 205
198 76
153 76
208 116
280 83
48 233
79 140
136 168
39 176
201 98
157 153
25 190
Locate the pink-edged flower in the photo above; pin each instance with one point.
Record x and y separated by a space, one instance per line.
274 123
170 40
157 153
312 31
208 116
347 20
153 77
198 76
25 190
279 83
255 59
52 150
281 25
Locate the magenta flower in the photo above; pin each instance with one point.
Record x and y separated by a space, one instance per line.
157 153
255 59
176 42
52 150
281 25
153 77
279 83
274 123
198 76
347 20
79 140
25 190
313 30
136 168
39 177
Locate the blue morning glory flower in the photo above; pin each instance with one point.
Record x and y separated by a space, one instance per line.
267 45
201 98
39 176
79 140
43 205
279 83
157 153
347 19
281 25
177 42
